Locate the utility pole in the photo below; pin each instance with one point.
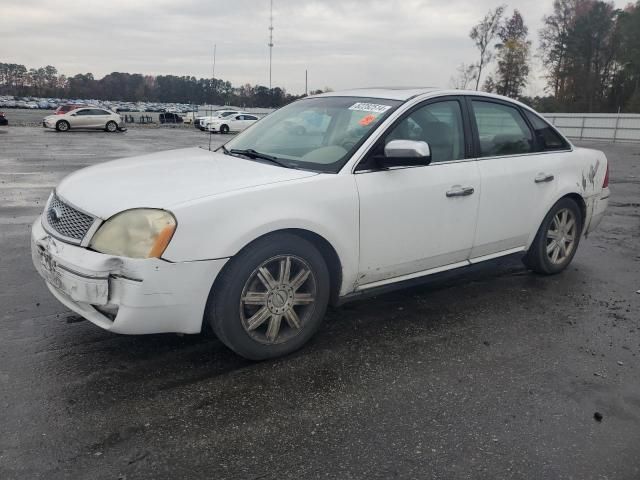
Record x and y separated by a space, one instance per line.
270 42
213 73
214 87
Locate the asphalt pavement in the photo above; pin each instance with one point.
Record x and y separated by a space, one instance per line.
490 373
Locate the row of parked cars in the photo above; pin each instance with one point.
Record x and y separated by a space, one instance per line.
35 103
75 115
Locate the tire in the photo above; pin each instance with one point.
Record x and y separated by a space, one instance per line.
255 320
111 126
557 240
224 129
63 126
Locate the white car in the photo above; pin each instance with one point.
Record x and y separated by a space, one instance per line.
258 237
89 117
231 123
204 121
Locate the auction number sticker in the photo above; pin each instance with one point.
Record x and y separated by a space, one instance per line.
369 107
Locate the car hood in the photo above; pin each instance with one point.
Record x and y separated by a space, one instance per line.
164 179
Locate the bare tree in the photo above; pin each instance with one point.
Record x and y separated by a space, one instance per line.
483 34
465 74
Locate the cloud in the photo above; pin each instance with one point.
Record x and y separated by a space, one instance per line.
342 43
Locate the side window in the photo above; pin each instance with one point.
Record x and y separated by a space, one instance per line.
250 117
548 138
501 129
440 125
239 117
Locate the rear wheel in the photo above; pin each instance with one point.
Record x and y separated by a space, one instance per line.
62 126
111 126
557 239
224 129
271 297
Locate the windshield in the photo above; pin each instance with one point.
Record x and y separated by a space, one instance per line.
317 134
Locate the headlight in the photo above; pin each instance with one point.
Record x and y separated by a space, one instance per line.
139 233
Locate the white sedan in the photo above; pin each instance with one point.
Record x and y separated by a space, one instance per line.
81 118
257 238
231 123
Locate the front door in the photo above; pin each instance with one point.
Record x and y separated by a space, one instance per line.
81 118
419 218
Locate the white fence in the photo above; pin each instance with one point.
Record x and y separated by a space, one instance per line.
611 127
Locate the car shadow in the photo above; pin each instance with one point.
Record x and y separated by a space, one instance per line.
172 361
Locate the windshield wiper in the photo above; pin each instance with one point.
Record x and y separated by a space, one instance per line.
251 153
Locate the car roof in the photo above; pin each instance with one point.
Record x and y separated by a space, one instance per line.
407 93
389 93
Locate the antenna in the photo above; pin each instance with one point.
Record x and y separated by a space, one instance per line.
270 41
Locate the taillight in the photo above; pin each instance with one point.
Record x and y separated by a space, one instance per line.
605 182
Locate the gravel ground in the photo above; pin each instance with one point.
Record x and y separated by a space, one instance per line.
491 372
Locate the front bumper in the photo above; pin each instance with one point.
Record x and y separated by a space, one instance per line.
125 295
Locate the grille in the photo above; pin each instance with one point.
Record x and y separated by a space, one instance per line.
66 220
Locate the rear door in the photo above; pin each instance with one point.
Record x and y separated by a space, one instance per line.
99 118
518 176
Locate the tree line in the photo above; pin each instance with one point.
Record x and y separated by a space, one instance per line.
590 52
134 87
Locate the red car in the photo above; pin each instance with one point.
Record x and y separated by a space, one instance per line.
62 109
3 119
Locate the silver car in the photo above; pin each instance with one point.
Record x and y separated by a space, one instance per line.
89 117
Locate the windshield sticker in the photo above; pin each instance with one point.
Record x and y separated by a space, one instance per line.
368 120
369 107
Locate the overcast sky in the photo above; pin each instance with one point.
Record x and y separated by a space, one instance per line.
343 43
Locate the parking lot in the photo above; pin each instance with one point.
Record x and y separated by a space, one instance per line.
490 372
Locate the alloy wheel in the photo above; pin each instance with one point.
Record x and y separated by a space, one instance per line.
561 236
278 299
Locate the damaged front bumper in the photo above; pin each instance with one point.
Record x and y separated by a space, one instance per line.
125 295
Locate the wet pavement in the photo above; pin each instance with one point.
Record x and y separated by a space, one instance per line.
489 373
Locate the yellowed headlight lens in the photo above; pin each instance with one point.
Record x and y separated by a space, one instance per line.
139 233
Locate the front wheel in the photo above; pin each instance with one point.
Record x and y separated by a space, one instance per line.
557 239
111 126
271 298
224 129
62 126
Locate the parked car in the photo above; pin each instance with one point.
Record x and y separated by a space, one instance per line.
3 119
231 123
94 118
68 107
256 238
204 121
170 118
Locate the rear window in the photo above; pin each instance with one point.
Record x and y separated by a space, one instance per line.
547 136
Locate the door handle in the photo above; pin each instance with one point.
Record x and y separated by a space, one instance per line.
544 177
458 191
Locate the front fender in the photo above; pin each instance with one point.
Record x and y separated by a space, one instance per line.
220 226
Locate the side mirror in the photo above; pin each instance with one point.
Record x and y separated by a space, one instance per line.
405 153
74 114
